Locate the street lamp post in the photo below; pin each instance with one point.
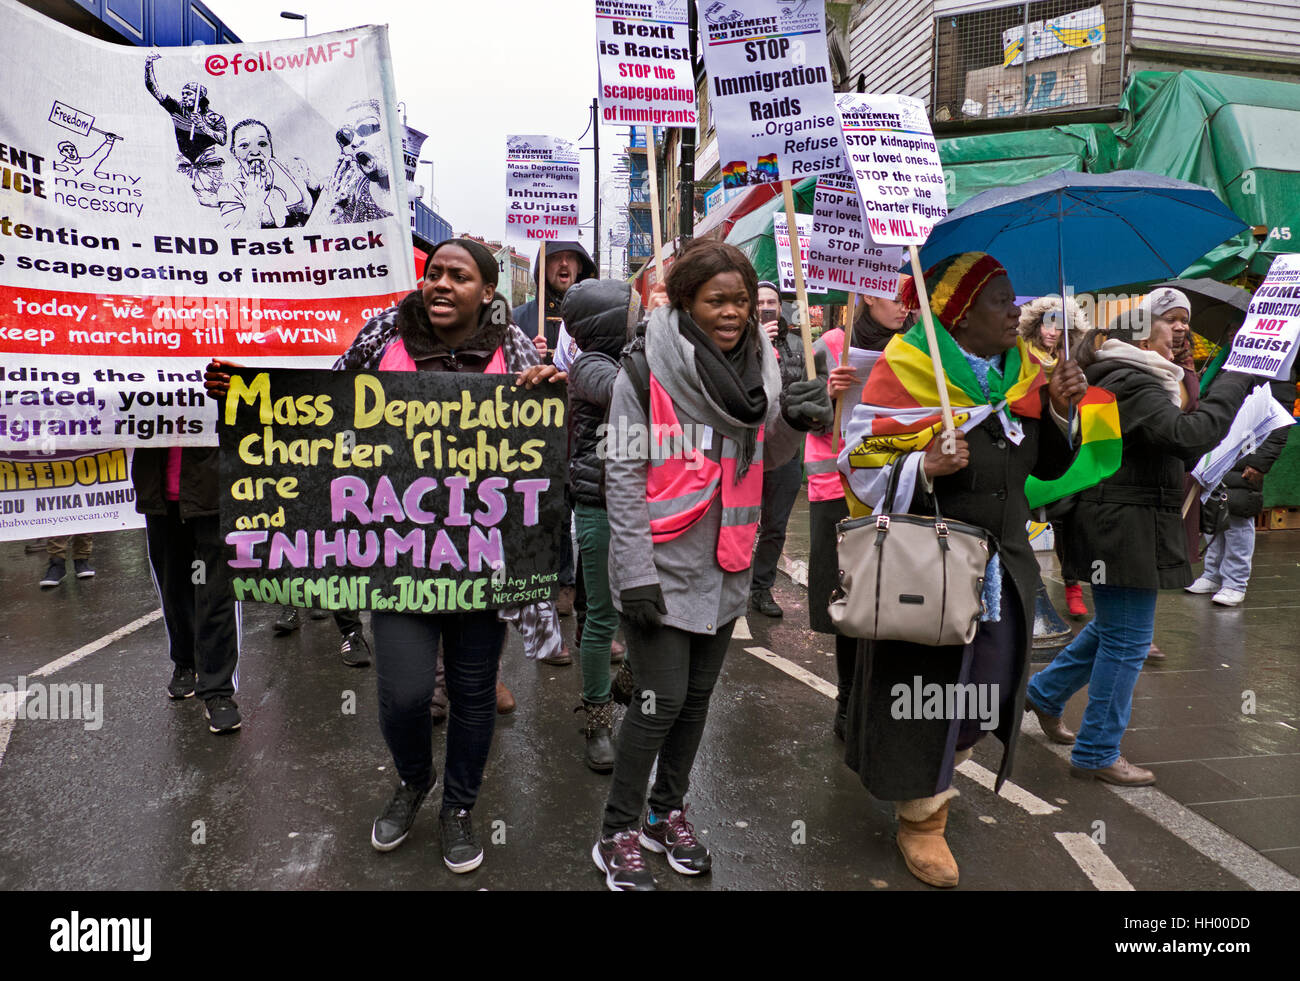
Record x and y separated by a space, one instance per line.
432 200
290 15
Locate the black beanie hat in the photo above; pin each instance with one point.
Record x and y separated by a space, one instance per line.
486 262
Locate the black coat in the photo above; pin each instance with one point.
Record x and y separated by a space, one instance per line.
600 316
1132 522
1244 499
789 353
904 760
199 495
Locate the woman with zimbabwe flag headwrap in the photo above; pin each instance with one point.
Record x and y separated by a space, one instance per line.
902 739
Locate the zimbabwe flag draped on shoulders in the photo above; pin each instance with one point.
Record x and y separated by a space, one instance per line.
900 414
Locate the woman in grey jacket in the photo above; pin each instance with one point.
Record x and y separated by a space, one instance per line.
693 414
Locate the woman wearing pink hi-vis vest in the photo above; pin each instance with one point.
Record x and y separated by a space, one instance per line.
696 415
878 320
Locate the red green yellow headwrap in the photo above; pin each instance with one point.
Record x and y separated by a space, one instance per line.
954 284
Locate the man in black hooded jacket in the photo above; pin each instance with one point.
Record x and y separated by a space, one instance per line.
566 263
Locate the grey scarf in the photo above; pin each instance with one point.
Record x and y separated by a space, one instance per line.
671 358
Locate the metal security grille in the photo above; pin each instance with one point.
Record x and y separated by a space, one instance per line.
1018 59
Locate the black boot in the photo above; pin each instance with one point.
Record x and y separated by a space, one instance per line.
760 601
600 735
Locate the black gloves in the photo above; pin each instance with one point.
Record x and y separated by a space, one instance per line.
807 404
644 606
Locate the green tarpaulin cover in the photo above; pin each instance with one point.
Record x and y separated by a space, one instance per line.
1238 136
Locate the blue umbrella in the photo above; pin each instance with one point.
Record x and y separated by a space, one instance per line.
1089 230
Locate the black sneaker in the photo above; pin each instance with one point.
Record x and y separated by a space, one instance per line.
182 683
222 713
619 857
83 569
392 827
760 601
320 614
53 575
290 621
354 650
673 836
460 848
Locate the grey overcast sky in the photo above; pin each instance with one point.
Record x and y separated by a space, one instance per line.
470 72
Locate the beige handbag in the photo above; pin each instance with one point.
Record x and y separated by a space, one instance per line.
909 577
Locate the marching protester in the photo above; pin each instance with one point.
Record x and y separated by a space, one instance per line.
780 485
567 263
601 316
1041 327
453 322
178 492
981 482
354 649
1126 537
1231 548
878 320
683 513
57 548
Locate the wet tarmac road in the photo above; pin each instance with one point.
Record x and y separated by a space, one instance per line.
151 800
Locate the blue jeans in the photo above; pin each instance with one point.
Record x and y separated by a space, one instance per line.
1107 656
406 659
1227 560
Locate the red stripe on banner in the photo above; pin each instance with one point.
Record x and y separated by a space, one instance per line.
58 322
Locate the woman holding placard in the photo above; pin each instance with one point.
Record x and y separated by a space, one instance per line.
453 322
1011 425
696 415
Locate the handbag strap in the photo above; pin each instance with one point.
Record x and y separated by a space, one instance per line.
888 503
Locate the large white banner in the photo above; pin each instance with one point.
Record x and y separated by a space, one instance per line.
1266 344
770 89
162 207
541 189
644 58
841 254
895 161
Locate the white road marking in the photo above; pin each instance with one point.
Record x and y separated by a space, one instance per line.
95 645
1099 869
9 702
1017 795
794 671
741 630
1223 849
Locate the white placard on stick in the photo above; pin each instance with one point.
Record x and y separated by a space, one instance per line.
541 189
841 254
1266 343
895 160
784 259
644 56
770 89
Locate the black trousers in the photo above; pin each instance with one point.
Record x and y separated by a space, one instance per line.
780 489
406 658
189 567
675 675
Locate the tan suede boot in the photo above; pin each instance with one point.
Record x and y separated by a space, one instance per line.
920 838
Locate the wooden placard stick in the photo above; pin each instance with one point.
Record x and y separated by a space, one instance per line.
844 360
801 293
656 232
541 291
949 443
